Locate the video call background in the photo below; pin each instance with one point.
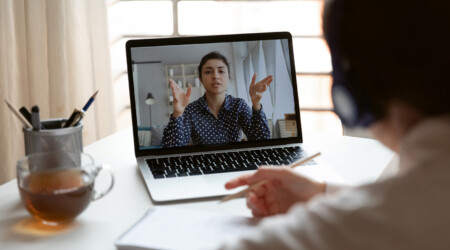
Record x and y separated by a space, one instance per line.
268 57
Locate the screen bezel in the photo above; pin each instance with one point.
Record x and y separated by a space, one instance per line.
203 40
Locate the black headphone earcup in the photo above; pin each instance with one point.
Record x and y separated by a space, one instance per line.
347 107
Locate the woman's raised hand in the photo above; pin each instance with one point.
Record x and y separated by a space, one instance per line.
180 99
257 89
283 188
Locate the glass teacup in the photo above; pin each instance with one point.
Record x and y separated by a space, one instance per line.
55 187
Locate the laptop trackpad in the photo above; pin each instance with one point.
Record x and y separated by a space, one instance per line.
179 188
217 181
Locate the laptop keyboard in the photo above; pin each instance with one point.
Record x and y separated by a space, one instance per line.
190 165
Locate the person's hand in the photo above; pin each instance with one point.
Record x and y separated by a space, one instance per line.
257 89
180 99
283 188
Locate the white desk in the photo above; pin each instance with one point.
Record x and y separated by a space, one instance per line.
357 160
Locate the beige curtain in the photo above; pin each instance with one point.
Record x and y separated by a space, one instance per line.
53 53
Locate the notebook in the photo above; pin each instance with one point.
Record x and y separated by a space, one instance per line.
194 155
174 228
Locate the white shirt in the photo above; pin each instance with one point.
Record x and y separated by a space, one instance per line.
408 211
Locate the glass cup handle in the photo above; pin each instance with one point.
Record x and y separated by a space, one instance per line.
98 195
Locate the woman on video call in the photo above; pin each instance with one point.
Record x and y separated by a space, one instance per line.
390 62
216 117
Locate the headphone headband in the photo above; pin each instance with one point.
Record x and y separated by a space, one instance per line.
349 101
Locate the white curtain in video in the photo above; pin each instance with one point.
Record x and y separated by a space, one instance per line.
265 58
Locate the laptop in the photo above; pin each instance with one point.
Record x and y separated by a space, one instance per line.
199 166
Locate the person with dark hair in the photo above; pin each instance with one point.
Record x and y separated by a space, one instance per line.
390 61
216 117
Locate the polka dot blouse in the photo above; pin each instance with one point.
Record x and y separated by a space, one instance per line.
199 126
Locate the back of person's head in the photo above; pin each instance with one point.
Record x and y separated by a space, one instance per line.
392 51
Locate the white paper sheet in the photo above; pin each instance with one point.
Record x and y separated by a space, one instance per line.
172 228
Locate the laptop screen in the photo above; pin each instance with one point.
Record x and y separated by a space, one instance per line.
193 94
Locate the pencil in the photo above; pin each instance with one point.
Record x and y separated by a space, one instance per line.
77 115
89 102
258 184
18 115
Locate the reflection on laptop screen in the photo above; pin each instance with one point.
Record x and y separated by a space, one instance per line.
174 98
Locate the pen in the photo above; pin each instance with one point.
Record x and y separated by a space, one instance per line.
241 193
71 118
18 115
35 119
77 115
26 114
24 111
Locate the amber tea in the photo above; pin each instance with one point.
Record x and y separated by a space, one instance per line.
57 186
57 196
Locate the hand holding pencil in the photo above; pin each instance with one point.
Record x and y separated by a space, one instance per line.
274 190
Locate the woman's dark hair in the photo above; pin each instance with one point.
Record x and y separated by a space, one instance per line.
213 55
398 51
